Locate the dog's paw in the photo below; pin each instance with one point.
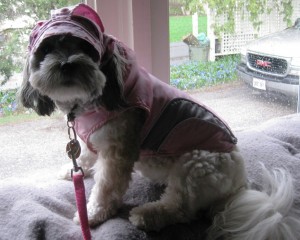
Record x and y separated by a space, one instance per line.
65 172
148 218
137 218
96 215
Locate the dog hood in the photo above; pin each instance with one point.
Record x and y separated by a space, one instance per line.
79 21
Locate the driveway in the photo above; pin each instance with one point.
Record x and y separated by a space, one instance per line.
40 144
241 107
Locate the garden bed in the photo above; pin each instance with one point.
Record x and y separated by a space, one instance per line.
194 75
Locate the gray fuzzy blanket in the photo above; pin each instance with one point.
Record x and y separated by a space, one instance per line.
43 207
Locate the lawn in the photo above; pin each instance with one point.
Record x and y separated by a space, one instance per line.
18 118
181 26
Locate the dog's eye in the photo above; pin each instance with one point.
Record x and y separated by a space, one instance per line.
47 49
90 51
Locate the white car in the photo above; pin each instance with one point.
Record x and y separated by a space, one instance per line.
272 63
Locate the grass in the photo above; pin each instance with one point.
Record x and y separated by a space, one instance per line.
9 110
17 118
181 26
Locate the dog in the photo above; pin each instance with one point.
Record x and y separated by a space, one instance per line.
128 121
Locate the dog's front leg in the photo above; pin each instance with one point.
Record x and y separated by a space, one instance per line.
117 144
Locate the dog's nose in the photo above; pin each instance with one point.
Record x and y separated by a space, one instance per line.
66 66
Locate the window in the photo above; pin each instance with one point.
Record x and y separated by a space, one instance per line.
244 85
226 60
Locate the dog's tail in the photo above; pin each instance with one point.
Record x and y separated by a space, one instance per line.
255 215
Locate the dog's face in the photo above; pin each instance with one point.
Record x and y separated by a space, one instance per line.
65 71
65 68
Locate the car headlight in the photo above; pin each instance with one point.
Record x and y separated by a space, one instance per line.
296 62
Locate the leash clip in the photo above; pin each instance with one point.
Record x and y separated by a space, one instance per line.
78 169
73 148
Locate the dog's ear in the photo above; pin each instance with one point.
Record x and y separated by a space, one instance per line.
31 98
113 65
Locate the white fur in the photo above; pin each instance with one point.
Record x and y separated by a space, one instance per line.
262 215
196 182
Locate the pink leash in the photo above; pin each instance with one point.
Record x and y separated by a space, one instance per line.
73 151
81 205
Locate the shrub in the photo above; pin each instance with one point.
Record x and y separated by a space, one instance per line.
195 75
8 102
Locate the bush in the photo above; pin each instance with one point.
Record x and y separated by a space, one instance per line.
8 102
194 75
14 39
175 9
12 53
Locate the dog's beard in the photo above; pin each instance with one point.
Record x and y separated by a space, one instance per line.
66 73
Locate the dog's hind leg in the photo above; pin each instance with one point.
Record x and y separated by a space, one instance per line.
171 208
195 182
154 216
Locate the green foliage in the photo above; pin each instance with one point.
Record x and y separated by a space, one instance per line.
181 26
175 9
194 75
11 54
14 40
18 118
8 103
37 9
287 11
228 8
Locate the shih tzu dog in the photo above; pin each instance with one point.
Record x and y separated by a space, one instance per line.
130 121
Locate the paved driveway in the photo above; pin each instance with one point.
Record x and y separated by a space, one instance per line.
241 107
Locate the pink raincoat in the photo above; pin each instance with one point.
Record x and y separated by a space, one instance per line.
174 124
